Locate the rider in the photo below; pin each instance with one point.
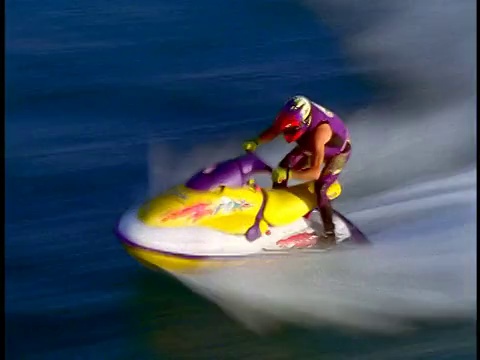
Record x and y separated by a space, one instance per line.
322 139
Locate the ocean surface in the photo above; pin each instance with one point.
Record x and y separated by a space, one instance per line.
109 102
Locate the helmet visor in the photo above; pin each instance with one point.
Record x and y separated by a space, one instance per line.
292 133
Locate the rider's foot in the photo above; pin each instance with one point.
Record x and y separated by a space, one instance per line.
326 240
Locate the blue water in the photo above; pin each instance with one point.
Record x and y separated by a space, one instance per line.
89 86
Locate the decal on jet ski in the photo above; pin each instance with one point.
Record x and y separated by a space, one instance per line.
196 212
227 205
300 240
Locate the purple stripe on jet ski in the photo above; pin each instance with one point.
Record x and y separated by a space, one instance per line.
254 232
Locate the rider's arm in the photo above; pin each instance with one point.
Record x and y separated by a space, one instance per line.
322 135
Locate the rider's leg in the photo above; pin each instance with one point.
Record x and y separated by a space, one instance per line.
330 173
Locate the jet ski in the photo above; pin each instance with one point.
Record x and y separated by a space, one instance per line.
222 216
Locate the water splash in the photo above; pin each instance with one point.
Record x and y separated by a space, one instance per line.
423 266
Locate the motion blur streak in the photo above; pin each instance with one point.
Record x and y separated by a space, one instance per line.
410 183
423 55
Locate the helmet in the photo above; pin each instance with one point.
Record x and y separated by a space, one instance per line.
294 118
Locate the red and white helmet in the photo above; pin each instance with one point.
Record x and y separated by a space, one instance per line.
294 118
